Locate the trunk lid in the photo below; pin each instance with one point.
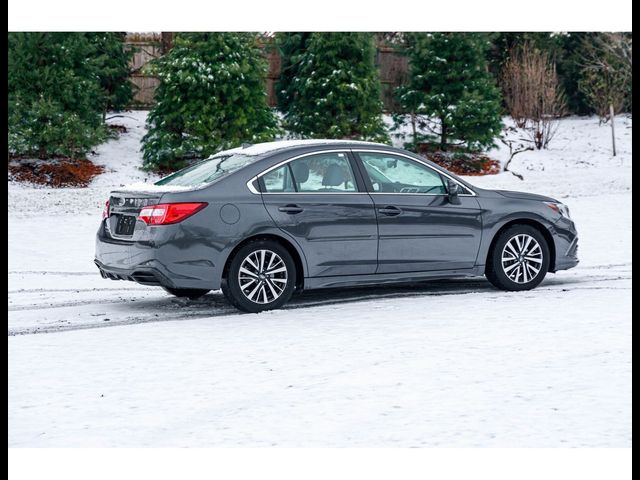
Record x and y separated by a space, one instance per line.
124 207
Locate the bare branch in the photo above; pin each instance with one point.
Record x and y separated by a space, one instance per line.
533 94
607 72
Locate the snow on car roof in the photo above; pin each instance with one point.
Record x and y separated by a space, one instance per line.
266 147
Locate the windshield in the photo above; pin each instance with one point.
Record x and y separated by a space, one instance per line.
206 171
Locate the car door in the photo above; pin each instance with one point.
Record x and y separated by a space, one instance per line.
318 200
419 228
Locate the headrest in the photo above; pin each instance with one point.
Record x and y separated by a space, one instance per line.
333 177
300 171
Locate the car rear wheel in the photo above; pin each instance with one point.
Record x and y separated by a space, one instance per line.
190 293
261 276
519 259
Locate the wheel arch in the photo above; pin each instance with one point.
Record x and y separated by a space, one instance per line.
544 231
286 243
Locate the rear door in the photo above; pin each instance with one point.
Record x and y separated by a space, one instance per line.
419 228
319 201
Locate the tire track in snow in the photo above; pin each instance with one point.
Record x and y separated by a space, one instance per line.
49 272
350 292
77 290
214 304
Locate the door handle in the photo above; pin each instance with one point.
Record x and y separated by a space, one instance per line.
390 210
290 209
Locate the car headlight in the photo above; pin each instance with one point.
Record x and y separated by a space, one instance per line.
560 208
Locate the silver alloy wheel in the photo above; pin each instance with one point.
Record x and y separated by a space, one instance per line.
522 258
262 276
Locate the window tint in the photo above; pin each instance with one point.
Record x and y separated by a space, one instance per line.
324 172
393 174
278 180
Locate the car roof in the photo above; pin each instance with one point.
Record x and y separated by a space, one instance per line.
260 149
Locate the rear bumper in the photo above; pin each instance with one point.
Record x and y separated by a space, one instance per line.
158 259
143 275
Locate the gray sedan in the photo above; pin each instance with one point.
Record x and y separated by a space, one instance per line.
266 220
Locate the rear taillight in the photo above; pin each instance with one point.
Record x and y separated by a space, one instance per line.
168 213
105 212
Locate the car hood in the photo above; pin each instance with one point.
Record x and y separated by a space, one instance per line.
525 196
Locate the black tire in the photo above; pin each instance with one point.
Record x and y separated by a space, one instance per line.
495 269
190 293
231 282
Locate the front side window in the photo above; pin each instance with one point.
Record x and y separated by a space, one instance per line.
322 172
392 174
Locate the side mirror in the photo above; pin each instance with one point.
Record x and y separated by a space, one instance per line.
453 190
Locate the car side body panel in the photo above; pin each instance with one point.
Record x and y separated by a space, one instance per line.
498 212
337 242
429 233
338 232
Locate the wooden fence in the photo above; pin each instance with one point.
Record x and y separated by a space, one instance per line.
392 67
145 48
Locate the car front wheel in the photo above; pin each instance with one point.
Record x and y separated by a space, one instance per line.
261 276
519 259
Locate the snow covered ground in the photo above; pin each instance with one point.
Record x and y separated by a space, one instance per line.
457 363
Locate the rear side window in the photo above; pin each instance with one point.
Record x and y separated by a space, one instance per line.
279 180
322 172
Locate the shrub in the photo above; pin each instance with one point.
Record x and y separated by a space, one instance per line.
60 85
450 95
291 46
607 73
337 89
211 97
533 94
112 62
55 100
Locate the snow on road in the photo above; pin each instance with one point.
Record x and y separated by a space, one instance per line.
457 363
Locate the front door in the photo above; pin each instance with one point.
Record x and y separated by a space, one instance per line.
419 228
316 200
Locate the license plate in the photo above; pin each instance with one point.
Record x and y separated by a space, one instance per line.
125 225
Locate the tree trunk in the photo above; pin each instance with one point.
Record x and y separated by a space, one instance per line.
167 41
413 129
443 135
613 130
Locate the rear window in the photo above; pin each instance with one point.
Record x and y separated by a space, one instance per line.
207 171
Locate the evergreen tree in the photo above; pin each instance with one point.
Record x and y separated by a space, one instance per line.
336 90
569 61
112 61
450 90
291 46
211 97
54 97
